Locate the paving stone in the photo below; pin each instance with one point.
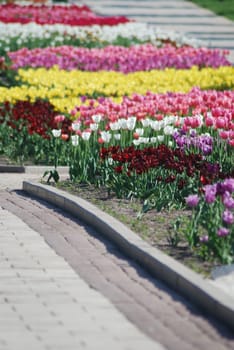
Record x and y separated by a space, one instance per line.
145 301
39 311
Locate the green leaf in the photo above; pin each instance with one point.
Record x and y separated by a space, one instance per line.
46 173
53 174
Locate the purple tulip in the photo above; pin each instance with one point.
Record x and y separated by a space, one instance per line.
202 142
192 200
228 201
229 185
210 193
222 232
228 217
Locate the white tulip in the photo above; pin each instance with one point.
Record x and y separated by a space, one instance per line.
75 126
139 131
146 122
86 135
156 125
160 138
56 132
168 119
168 130
75 140
144 139
153 139
97 118
106 136
123 123
136 142
131 122
94 127
114 126
110 161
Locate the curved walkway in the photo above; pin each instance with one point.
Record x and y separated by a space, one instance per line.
86 294
44 304
174 15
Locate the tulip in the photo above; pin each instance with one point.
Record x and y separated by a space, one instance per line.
59 118
96 118
222 232
76 126
106 136
75 140
86 135
56 132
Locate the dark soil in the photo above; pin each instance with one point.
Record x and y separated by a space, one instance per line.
157 228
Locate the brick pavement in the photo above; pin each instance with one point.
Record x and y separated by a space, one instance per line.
159 312
44 304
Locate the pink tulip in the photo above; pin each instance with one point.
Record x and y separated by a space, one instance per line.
59 118
220 123
224 134
209 121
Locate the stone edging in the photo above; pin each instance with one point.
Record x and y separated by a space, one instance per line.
177 276
34 169
31 169
6 168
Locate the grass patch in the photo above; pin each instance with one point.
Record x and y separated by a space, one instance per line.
223 8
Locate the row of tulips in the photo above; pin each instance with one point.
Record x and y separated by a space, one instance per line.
64 88
162 170
162 173
164 136
73 15
210 109
117 58
32 35
40 118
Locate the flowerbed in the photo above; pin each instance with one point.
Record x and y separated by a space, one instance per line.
63 88
150 119
73 15
117 58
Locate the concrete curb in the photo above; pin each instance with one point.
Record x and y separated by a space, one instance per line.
188 283
31 169
12 169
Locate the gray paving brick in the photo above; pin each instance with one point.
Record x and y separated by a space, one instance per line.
146 302
39 311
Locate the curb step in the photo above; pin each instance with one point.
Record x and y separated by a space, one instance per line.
12 169
31 169
191 285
